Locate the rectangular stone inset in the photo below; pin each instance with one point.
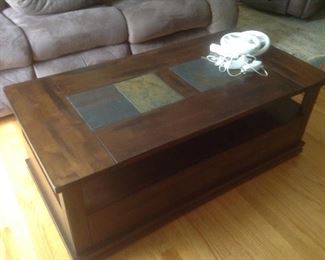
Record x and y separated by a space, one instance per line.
113 103
202 75
148 92
102 106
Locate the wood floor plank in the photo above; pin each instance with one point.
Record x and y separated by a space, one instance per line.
237 229
29 232
279 214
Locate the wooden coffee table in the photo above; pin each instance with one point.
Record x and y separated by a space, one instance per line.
119 149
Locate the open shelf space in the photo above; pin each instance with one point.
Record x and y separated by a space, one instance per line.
117 185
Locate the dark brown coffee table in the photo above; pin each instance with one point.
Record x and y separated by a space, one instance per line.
118 149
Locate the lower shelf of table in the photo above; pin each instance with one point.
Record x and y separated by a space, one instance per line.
112 222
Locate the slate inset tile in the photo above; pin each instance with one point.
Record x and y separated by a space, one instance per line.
102 106
148 92
202 74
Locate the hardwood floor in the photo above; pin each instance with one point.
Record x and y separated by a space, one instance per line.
277 215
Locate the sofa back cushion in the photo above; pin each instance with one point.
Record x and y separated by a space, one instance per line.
40 7
150 19
52 36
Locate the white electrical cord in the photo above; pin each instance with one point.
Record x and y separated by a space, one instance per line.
224 65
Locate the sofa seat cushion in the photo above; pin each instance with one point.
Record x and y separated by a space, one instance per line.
52 36
80 60
40 7
14 47
178 37
150 19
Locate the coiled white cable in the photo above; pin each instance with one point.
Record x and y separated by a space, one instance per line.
224 65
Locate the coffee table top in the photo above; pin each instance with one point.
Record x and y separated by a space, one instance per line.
94 120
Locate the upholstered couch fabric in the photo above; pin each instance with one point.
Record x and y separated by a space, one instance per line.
14 47
40 7
52 36
35 46
304 8
151 19
298 8
80 60
224 15
137 48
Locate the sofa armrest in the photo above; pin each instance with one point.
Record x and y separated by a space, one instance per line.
224 15
304 8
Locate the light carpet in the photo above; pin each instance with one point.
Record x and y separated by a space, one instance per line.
304 39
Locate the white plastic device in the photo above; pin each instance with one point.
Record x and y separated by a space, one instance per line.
238 51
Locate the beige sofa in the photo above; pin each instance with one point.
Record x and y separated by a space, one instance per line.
297 8
39 38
